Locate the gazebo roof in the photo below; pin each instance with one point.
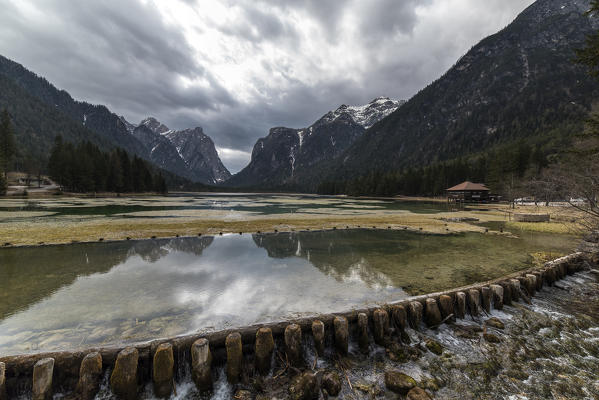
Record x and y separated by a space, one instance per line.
468 186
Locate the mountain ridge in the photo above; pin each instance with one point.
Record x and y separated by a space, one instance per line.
193 150
517 83
285 152
95 123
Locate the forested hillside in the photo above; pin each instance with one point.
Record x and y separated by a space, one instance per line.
520 84
36 124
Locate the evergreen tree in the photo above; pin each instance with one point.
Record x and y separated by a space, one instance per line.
56 163
7 142
85 168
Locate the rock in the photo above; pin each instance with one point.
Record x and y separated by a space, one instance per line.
434 347
331 382
201 365
515 283
380 321
466 333
341 329
415 314
460 309
396 352
363 341
432 314
486 298
318 335
242 394
90 376
495 323
473 301
507 293
362 387
123 380
399 382
304 387
3 395
265 346
446 307
497 296
491 338
163 370
399 317
418 394
293 345
43 371
234 357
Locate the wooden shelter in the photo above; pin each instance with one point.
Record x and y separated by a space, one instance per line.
468 192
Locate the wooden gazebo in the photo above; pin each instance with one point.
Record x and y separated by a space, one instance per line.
468 192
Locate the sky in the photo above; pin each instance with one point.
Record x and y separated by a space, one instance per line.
238 68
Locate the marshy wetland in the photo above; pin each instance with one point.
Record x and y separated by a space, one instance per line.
80 273
56 297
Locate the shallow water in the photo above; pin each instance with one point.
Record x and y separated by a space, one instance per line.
181 205
548 350
57 297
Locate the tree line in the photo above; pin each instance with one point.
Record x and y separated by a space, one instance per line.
85 168
502 170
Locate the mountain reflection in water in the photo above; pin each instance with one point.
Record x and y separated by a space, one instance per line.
58 297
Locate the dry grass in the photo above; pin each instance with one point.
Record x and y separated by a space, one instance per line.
32 231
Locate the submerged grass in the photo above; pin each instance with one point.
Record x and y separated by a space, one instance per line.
31 228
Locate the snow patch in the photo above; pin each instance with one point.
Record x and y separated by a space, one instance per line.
368 114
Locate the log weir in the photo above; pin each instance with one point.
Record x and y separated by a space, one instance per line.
24 374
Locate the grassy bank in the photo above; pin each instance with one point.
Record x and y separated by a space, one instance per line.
18 226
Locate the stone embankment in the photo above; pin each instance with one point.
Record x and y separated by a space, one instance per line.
163 362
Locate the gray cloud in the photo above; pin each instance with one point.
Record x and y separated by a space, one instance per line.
237 68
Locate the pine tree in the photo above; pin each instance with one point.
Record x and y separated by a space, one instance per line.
7 142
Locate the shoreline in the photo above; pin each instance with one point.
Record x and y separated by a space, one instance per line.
490 293
30 228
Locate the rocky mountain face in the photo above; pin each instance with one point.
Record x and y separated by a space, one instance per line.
518 84
41 111
189 153
286 153
199 153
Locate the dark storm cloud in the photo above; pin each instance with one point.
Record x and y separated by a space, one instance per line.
245 66
114 52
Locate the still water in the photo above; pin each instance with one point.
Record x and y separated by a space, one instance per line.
180 205
81 295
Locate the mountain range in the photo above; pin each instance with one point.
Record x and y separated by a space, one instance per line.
287 153
189 153
40 112
519 84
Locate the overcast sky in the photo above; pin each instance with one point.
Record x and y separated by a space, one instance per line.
237 68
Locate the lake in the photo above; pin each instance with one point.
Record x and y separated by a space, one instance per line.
81 295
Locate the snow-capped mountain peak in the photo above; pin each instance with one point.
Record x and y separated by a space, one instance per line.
155 126
368 114
287 153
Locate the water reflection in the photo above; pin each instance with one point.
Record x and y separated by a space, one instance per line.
93 294
164 288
